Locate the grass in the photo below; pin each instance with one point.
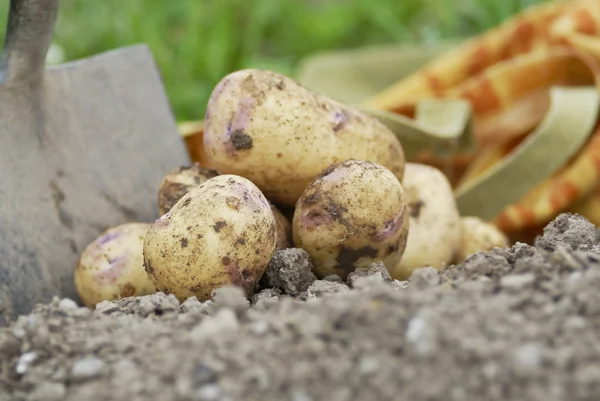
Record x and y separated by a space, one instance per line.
197 42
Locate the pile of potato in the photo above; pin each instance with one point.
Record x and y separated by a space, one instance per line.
343 189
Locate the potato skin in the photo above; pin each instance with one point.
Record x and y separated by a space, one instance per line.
112 266
354 214
270 129
222 232
284 230
478 236
182 180
435 235
179 182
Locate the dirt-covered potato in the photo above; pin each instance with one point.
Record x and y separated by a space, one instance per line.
268 128
182 180
478 236
112 266
434 237
222 232
284 230
354 214
179 182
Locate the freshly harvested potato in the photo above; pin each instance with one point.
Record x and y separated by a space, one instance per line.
112 266
435 236
270 129
182 180
222 232
179 182
284 230
478 236
354 214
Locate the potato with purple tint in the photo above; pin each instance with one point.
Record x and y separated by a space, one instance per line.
223 232
435 235
182 180
179 182
354 214
112 266
478 236
270 129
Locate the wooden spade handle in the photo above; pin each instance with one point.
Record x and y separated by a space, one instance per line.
28 36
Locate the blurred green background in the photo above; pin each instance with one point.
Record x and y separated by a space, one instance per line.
197 42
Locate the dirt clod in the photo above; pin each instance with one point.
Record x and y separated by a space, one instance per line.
192 305
290 270
86 368
424 277
333 278
568 230
266 293
511 324
376 269
320 287
155 304
241 140
230 297
48 391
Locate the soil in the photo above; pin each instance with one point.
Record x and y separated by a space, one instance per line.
512 324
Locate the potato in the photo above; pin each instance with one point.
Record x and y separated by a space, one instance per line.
182 180
434 237
222 232
268 128
179 182
354 214
284 230
478 236
112 266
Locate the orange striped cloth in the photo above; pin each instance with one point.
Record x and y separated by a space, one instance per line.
507 74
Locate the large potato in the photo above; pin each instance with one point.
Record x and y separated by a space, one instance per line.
478 236
354 214
268 128
435 235
112 266
179 182
222 232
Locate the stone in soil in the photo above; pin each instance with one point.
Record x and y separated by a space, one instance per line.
511 324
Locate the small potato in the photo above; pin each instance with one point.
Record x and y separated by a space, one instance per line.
222 232
478 236
270 129
284 230
182 180
354 214
434 237
112 266
179 182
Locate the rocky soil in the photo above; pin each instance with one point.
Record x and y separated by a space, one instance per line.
512 324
